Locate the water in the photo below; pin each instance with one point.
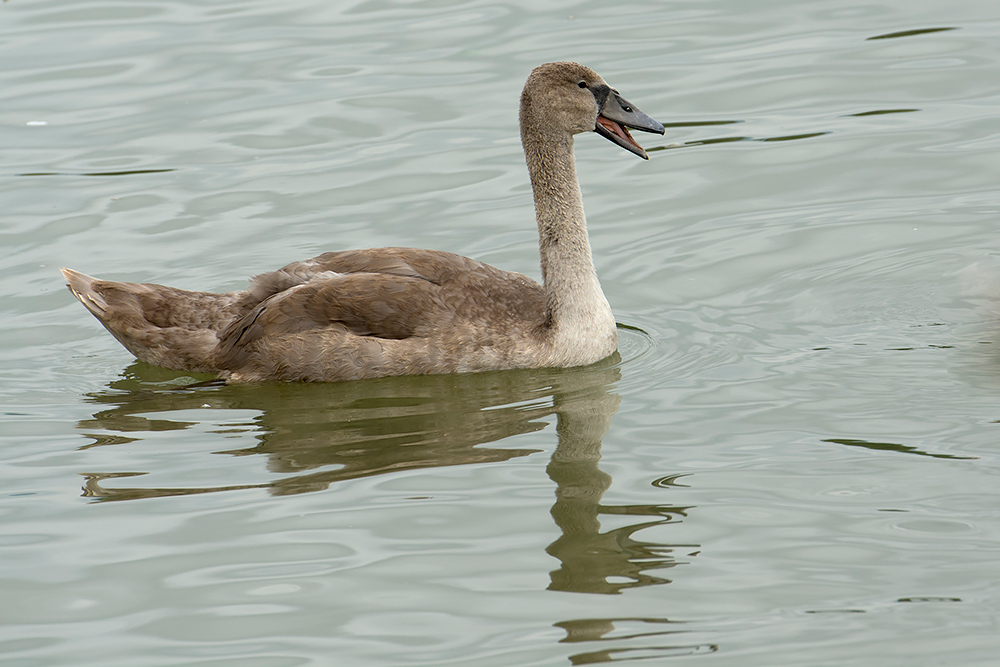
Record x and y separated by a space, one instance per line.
792 462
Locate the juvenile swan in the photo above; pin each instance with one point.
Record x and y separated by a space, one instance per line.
401 311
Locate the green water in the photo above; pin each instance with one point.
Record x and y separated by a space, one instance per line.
793 461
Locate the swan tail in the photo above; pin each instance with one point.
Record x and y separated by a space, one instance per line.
160 325
80 284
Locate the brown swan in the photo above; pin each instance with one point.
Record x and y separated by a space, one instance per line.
401 311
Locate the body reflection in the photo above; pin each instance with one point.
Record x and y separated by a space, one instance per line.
314 435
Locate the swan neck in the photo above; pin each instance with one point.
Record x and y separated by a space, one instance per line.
574 296
562 225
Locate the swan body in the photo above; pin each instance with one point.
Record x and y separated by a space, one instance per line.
402 311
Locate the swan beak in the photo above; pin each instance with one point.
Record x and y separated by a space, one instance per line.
617 115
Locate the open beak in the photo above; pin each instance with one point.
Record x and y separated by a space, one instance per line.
615 119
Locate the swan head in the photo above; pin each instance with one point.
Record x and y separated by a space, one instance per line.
571 98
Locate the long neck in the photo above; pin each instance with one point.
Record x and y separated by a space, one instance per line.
575 299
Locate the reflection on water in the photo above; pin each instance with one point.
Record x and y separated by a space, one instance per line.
592 561
129 172
909 33
601 629
313 435
894 447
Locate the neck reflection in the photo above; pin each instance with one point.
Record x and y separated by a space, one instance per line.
593 561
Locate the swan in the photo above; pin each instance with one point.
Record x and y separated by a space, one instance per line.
358 314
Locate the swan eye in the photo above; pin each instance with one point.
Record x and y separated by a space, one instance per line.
582 84
627 109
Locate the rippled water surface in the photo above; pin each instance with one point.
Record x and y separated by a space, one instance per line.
793 460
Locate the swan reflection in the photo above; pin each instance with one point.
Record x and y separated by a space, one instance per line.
315 435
